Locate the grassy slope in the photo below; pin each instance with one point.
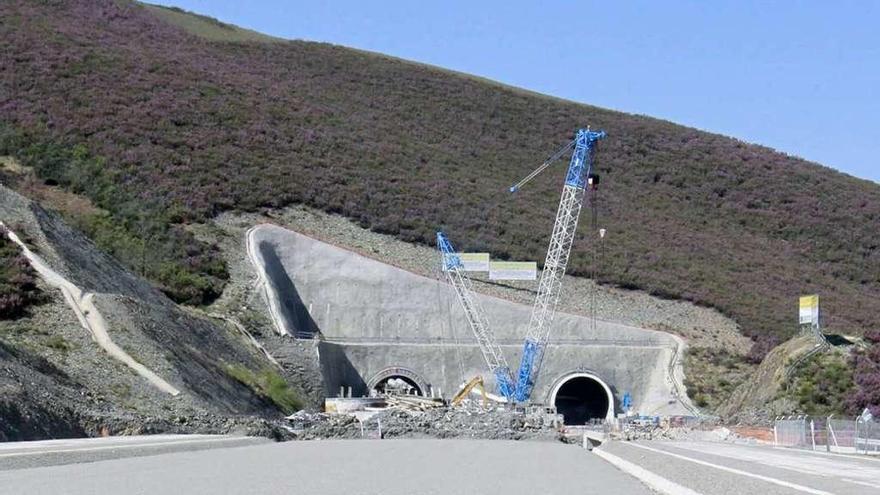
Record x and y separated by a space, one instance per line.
178 128
207 27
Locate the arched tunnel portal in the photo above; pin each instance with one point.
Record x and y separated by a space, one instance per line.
400 378
581 397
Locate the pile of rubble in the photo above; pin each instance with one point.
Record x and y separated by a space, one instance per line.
430 422
655 432
413 402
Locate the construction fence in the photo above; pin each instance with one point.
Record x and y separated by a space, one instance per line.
828 434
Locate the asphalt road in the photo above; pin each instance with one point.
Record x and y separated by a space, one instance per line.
710 468
220 465
44 453
387 467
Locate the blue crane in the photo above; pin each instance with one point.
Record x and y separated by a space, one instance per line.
550 286
455 274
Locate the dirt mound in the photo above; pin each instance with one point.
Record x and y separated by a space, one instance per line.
498 424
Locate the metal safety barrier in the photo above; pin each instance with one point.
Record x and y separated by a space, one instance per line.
829 434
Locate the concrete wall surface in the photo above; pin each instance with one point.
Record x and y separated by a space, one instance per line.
373 316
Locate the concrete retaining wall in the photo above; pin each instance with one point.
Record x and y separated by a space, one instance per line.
374 316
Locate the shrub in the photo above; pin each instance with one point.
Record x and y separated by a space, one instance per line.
866 375
823 385
58 343
159 128
18 287
267 384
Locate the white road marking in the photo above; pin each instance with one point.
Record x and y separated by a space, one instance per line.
123 446
652 480
860 457
865 483
794 460
114 440
768 479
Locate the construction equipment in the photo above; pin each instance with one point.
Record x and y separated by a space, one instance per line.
576 182
476 381
454 269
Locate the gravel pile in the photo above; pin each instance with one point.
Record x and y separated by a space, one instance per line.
198 423
436 423
679 433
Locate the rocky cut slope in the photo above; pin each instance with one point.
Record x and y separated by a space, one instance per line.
102 352
161 124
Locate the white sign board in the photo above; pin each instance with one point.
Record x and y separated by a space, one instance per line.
474 262
808 313
513 270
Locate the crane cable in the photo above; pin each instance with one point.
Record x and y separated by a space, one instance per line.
505 197
455 341
594 231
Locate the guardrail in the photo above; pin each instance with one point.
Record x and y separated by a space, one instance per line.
819 347
828 434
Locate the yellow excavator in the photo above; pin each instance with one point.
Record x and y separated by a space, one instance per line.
474 382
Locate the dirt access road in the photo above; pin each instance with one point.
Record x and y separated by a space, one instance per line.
83 305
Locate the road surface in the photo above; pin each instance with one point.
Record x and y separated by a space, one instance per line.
388 467
220 465
45 453
715 468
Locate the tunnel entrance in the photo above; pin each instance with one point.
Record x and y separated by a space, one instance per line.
399 385
581 398
398 379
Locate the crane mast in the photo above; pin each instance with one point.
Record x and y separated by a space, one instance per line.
454 269
558 253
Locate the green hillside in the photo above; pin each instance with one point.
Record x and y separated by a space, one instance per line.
207 27
160 124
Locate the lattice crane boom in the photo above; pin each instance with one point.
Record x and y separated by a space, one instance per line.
550 286
455 274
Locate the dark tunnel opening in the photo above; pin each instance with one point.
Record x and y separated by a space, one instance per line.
581 399
398 384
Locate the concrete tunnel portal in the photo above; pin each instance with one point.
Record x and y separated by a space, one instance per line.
581 397
398 378
399 337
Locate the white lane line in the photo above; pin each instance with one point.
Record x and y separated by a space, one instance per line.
653 481
122 446
858 457
813 465
768 479
865 483
103 441
775 461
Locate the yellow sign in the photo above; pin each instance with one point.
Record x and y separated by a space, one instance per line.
809 310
